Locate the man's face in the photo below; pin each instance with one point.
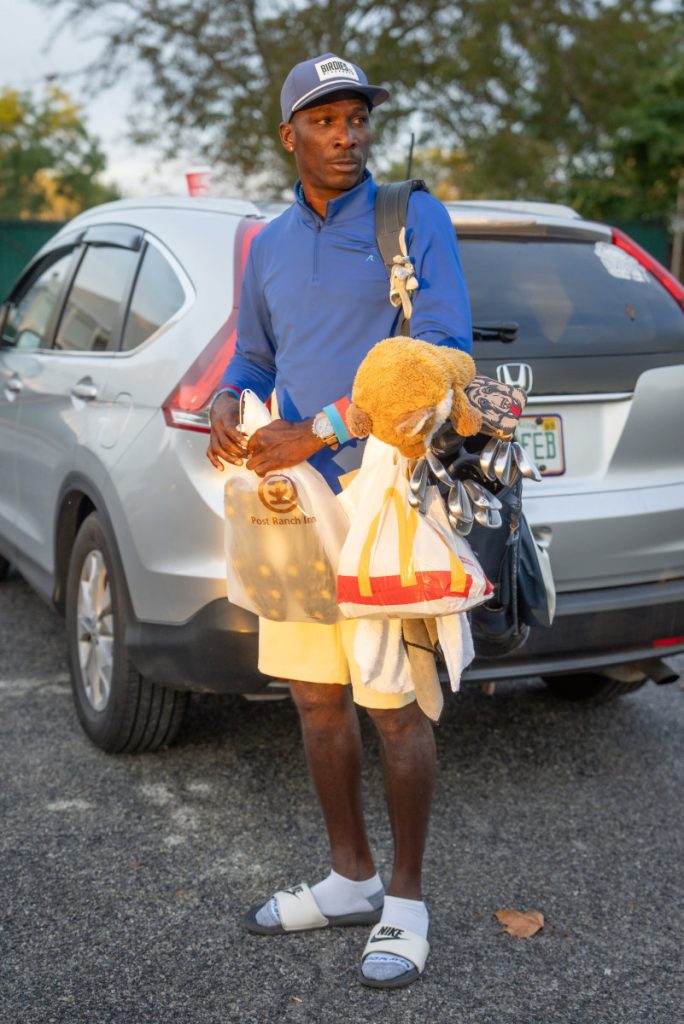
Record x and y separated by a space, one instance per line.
330 142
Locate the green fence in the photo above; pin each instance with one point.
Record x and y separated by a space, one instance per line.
19 241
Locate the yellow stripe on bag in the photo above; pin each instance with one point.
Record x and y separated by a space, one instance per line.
458 573
407 525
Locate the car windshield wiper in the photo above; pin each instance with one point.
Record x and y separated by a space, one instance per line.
495 330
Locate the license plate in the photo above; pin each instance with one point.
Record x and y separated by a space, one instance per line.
542 439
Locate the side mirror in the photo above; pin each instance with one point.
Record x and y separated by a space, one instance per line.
27 339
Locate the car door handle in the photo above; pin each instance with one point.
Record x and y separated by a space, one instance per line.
85 390
12 388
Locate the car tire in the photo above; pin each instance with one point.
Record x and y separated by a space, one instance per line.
4 567
119 710
591 687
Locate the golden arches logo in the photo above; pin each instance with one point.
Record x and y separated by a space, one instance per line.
278 493
407 525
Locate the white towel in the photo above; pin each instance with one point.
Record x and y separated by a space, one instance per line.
382 659
456 641
381 656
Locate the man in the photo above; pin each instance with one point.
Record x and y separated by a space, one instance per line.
313 302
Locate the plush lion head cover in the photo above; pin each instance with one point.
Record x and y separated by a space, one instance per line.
405 390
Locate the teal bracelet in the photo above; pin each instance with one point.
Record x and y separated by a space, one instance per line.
338 424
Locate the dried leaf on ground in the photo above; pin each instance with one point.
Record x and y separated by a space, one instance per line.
521 923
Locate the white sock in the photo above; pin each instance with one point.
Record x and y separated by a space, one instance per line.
335 895
412 915
339 895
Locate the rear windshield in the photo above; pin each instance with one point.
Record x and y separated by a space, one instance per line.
569 298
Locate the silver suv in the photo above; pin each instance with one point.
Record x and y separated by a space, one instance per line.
112 343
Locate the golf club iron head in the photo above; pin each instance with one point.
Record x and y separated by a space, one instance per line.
466 505
458 503
454 502
525 463
490 518
487 458
461 526
438 469
505 467
418 484
480 496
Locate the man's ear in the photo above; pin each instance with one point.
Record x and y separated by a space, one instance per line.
411 423
287 136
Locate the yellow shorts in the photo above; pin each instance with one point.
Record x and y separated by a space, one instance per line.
313 653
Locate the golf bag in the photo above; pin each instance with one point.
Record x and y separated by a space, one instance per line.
519 571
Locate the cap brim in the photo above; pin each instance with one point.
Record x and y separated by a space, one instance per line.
375 94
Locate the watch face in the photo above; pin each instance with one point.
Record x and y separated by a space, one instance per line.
322 427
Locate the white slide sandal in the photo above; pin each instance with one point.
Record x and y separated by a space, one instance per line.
299 912
385 938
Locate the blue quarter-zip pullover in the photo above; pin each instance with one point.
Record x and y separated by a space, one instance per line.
315 299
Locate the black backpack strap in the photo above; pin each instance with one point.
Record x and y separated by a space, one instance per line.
391 204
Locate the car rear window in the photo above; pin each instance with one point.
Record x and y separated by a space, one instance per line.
570 298
157 295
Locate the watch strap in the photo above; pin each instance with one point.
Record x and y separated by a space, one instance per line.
336 413
324 431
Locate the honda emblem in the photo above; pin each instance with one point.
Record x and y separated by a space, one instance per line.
518 375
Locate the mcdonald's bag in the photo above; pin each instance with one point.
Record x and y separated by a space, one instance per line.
283 536
397 562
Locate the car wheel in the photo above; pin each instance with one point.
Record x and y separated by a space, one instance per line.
591 687
118 709
4 567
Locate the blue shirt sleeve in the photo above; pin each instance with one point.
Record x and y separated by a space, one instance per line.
441 308
253 363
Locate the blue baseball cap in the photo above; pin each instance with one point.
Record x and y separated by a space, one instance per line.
315 78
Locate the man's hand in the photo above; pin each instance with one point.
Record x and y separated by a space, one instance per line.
227 442
280 445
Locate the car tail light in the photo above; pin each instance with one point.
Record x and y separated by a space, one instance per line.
187 407
666 279
668 641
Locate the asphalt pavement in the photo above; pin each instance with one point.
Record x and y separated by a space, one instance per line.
123 878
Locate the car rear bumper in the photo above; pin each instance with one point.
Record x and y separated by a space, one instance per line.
216 650
597 629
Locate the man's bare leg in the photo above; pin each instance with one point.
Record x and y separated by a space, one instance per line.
332 743
409 761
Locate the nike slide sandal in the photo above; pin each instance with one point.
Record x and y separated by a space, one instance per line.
396 942
299 912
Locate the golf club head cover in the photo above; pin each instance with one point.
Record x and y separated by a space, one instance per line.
500 405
